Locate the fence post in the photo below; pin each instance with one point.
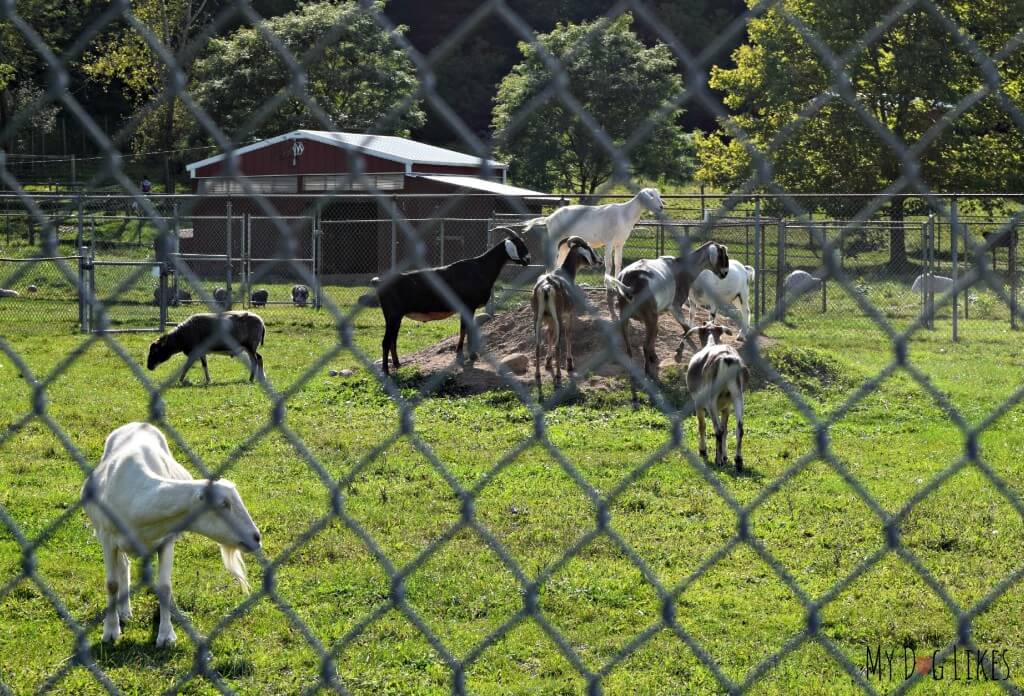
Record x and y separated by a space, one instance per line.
318 261
780 262
758 266
394 245
926 242
82 294
228 270
967 291
80 223
954 244
90 284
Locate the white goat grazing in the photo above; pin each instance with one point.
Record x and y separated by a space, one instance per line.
716 378
799 282
140 500
934 283
711 291
605 226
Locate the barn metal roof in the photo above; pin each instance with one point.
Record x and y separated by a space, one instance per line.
477 184
389 147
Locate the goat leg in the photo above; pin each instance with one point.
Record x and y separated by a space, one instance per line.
569 366
538 330
723 452
737 406
702 432
206 369
111 622
165 634
624 330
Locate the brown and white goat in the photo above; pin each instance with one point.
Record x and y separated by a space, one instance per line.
648 287
554 303
716 378
230 333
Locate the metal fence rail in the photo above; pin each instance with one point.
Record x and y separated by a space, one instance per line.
767 227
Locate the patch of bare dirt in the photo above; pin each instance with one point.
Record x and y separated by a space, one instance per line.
510 334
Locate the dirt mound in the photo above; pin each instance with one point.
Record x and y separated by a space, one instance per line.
509 336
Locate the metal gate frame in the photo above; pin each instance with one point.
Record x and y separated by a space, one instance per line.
314 262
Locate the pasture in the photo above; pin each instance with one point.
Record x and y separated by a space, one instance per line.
893 440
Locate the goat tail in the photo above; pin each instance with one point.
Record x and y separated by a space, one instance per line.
613 284
750 274
235 564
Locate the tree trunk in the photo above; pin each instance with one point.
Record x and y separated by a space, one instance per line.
897 236
169 144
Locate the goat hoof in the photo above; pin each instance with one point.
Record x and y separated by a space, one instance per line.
704 454
109 636
739 463
167 639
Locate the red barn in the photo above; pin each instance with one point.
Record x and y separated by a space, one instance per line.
350 188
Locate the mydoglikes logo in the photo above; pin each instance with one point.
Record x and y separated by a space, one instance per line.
897 663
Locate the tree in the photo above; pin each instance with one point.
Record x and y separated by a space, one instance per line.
619 81
907 78
124 59
357 76
23 71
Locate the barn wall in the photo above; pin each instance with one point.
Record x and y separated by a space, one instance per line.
316 158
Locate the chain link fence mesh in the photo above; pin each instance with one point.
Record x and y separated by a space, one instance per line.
97 262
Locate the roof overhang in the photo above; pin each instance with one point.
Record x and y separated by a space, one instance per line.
486 186
324 137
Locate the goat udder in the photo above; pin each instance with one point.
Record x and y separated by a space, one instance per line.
429 316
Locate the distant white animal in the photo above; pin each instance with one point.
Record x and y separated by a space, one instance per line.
9 293
709 289
154 500
799 282
934 283
607 226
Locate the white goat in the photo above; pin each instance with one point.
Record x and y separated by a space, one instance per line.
716 378
711 291
605 226
140 500
934 283
799 282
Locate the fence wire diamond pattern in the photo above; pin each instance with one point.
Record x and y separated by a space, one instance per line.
603 529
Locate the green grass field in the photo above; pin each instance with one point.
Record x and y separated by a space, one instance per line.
894 441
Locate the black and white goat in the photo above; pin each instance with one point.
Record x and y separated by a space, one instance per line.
201 334
554 303
648 287
716 378
411 294
259 298
300 295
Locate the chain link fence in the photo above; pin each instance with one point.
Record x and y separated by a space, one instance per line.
138 262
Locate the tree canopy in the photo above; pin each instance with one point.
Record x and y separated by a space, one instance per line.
356 73
907 78
619 81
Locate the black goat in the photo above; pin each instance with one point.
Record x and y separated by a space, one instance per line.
411 294
201 334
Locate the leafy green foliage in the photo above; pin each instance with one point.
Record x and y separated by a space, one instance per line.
618 81
907 79
355 72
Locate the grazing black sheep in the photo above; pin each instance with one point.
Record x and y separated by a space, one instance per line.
192 337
